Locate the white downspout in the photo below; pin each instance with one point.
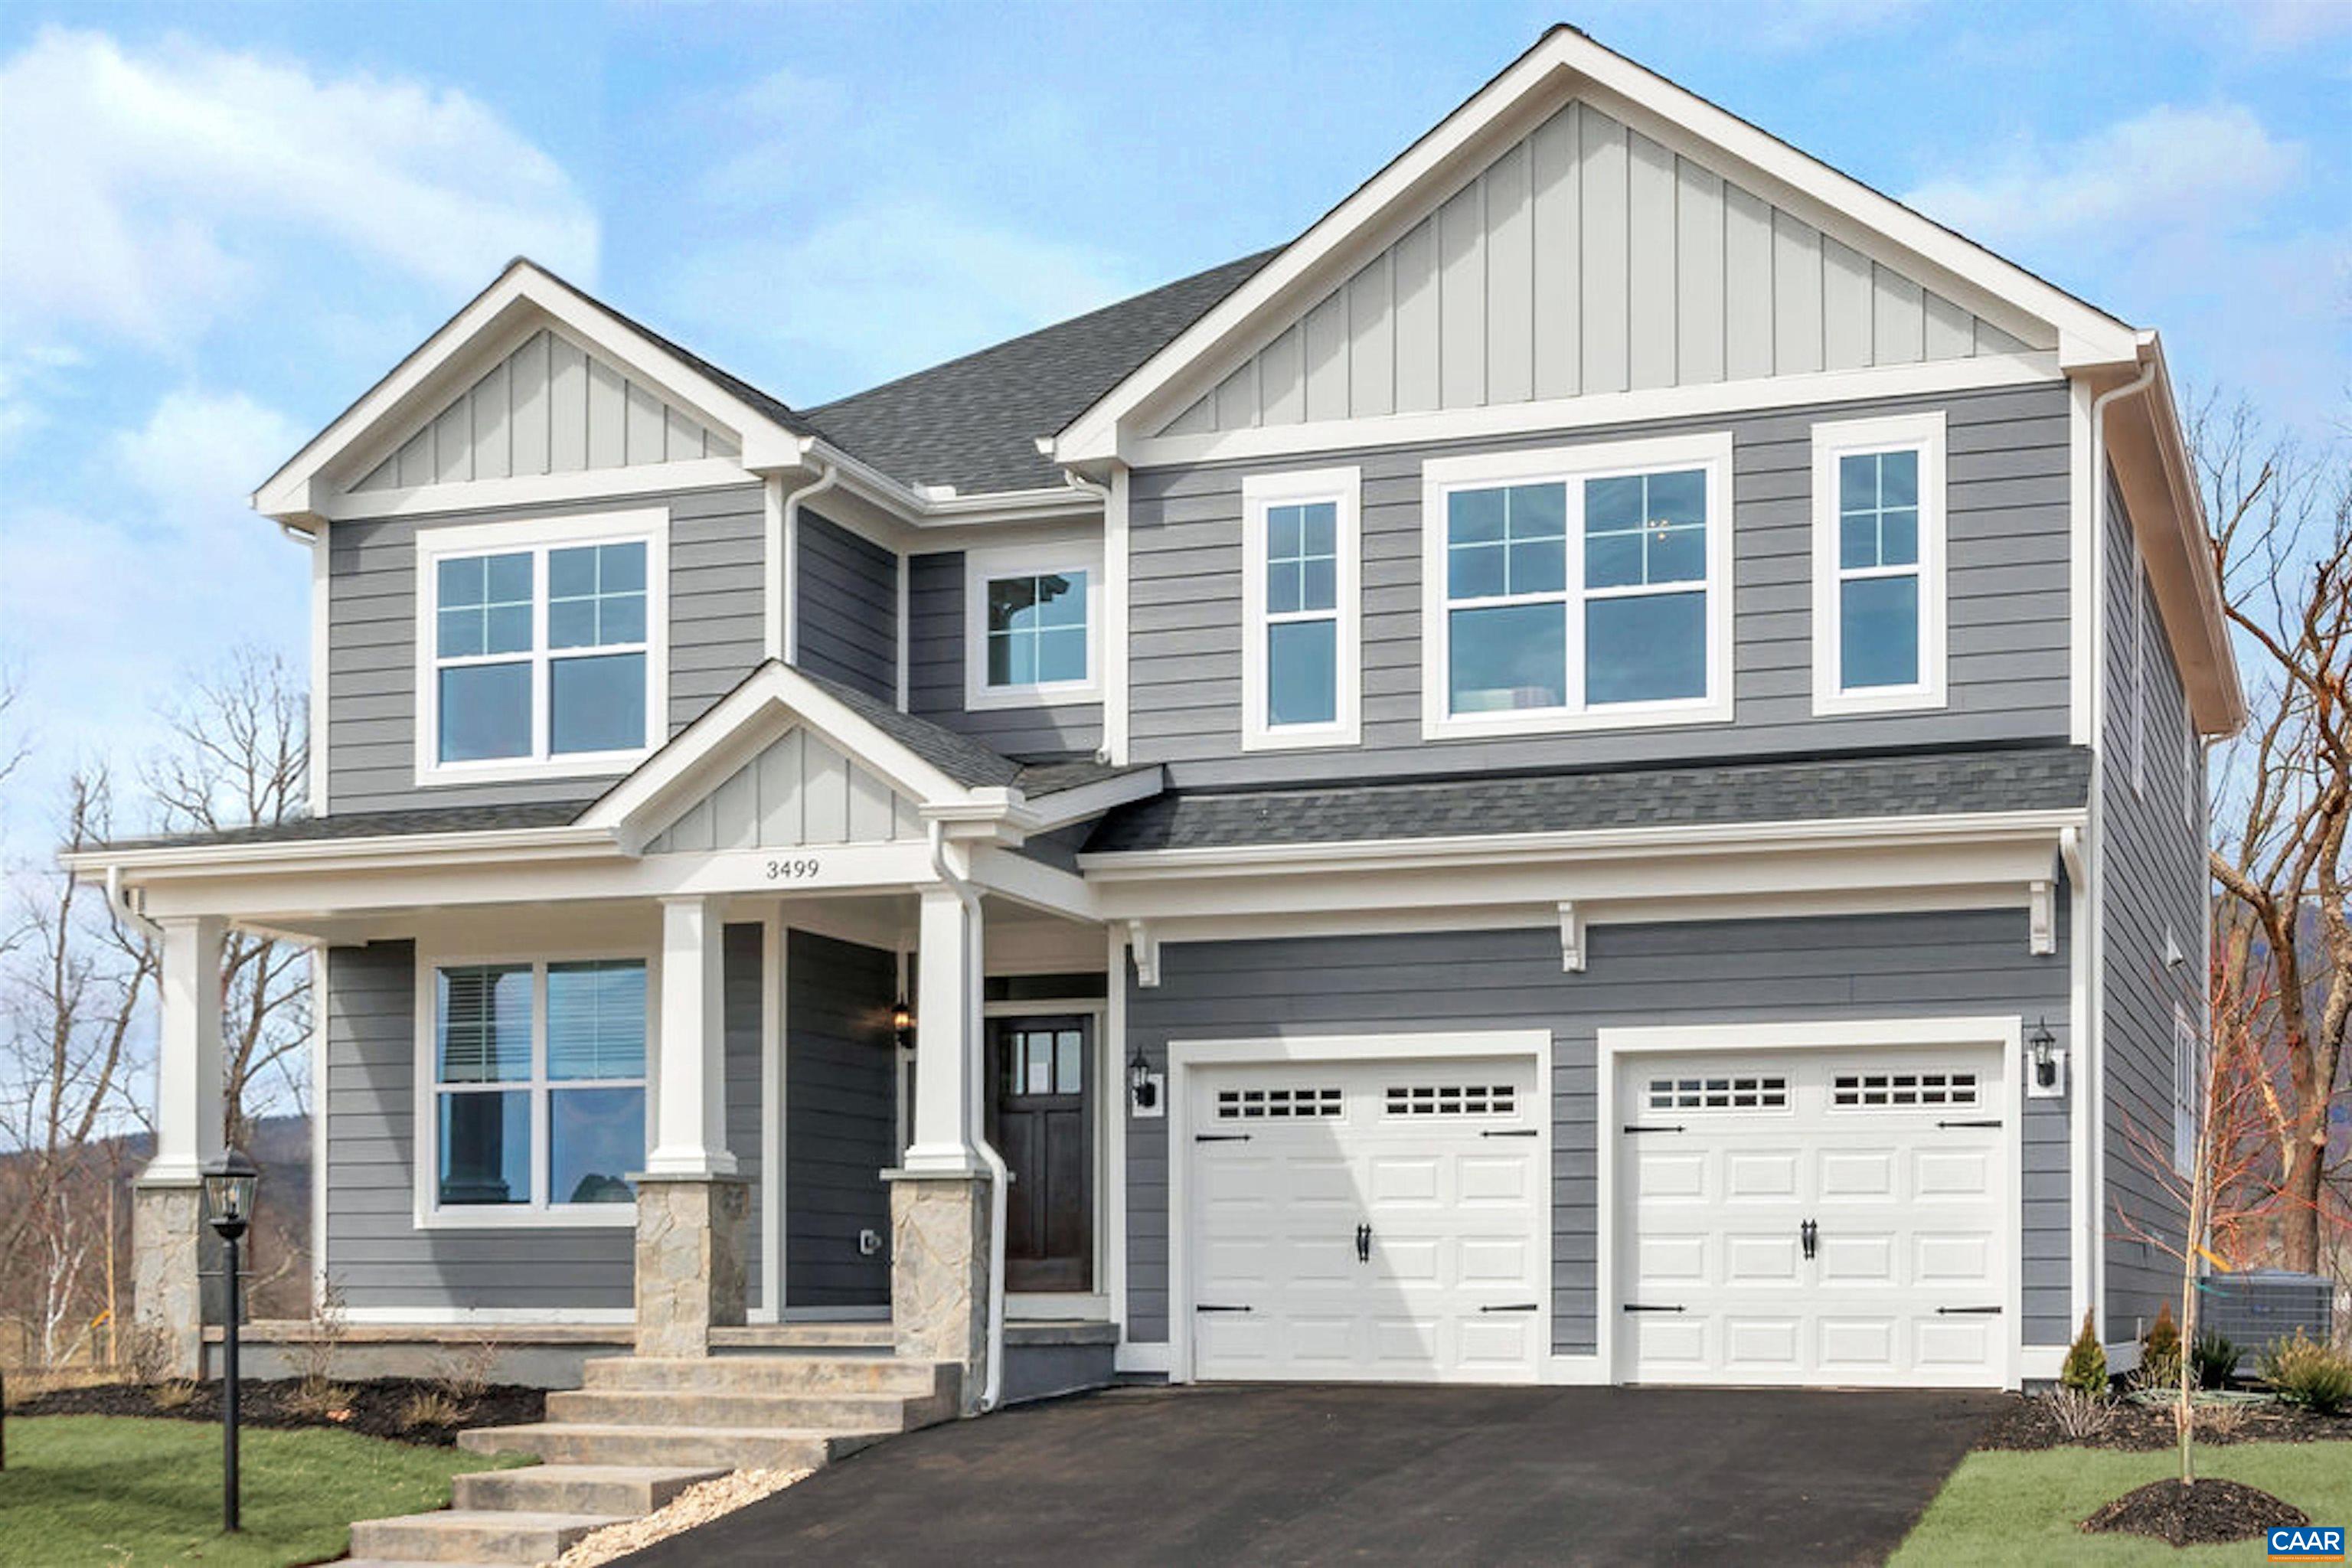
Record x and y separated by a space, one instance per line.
788 579
2091 1067
993 1386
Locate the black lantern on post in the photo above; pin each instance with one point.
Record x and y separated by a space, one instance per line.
229 1183
1142 1085
902 1022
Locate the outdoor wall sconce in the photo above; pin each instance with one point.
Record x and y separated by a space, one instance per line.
2046 1069
229 1183
902 1022
1143 1087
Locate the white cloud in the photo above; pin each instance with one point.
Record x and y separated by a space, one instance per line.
780 127
2168 168
891 288
205 448
149 192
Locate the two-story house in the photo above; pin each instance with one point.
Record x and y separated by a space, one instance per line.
1591 772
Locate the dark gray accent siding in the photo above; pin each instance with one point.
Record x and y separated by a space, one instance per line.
935 683
2151 844
840 1119
847 604
716 543
376 1253
2008 507
742 989
1731 972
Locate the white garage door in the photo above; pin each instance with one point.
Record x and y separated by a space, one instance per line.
1368 1220
1838 1218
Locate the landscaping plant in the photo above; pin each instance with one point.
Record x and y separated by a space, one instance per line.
2214 1359
2302 1371
2159 1350
2085 1370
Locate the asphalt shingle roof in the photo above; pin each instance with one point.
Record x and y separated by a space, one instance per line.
973 422
374 823
2049 777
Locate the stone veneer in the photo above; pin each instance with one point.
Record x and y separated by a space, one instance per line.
692 1236
939 1273
166 1289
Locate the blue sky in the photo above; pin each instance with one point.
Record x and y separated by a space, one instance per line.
218 225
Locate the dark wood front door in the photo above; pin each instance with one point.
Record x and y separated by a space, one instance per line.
1040 1117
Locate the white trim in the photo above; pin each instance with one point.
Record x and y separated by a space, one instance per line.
775 587
2139 695
317 752
1118 588
1145 1357
320 1054
536 537
2084 570
774 954
1343 488
981 567
1184 1056
1570 466
1108 1091
1590 410
2002 1032
1924 433
467 496
429 959
1113 1278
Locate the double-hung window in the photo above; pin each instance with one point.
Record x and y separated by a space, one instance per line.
539 646
1301 663
1032 633
537 1089
1878 564
1578 588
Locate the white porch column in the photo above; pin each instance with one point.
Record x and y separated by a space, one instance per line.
167 1204
946 1036
690 1056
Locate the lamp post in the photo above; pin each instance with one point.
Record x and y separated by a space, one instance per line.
229 1182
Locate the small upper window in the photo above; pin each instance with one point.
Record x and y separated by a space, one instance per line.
1878 576
1300 652
539 655
1596 594
1033 631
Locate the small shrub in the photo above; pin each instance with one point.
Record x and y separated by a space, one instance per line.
463 1375
2159 1350
173 1394
430 1407
147 1350
2220 1420
2214 1358
2302 1371
2085 1370
320 1399
2080 1416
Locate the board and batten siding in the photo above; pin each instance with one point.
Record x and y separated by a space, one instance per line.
2152 840
840 1119
2008 517
717 541
848 608
549 408
935 673
797 791
1587 258
1735 971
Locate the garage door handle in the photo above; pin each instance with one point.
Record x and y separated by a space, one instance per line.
1968 1311
1993 1121
1220 1137
1508 1132
1633 1129
1639 1307
1514 1306
1205 1306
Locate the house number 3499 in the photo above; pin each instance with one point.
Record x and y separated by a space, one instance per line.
799 870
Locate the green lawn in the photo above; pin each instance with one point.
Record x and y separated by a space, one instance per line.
2024 1509
118 1493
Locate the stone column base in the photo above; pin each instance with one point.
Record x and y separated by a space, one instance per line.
939 1272
692 1236
167 1216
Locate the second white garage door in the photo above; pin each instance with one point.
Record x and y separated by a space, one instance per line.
1833 1217
1368 1220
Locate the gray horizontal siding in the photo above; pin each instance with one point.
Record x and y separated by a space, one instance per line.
2007 587
2154 864
716 635
935 677
376 1253
1696 973
840 1119
847 604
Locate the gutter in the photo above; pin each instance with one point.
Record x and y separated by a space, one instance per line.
789 582
976 1129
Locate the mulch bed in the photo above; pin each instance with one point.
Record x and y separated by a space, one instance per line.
2027 1423
2203 1514
376 1408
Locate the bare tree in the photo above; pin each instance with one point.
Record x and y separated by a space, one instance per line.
238 757
76 992
2283 548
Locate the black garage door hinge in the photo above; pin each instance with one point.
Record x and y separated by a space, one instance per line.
1513 1307
1968 1311
1220 1137
1642 1307
1510 1133
1993 1121
1630 1128
1206 1307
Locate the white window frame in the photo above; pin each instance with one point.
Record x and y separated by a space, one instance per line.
1571 466
535 537
1924 433
2139 681
2187 1086
981 567
430 1212
1260 492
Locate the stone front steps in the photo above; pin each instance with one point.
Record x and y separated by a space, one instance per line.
644 1430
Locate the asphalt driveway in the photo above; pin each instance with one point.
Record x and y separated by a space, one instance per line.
1298 1474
